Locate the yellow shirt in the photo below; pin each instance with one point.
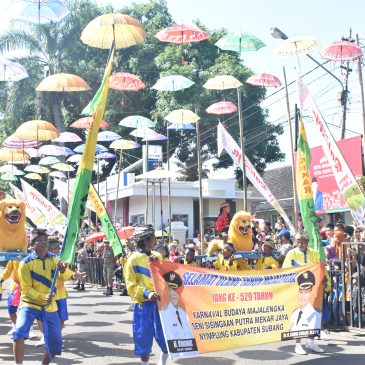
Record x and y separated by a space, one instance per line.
227 265
11 270
138 276
296 257
192 263
35 275
264 261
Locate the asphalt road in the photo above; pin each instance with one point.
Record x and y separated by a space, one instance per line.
99 332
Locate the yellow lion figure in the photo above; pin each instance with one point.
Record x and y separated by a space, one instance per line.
240 231
12 226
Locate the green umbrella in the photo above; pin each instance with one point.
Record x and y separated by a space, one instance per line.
240 42
37 169
49 160
136 121
8 177
172 83
18 173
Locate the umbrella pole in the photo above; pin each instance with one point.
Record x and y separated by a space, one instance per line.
153 205
161 213
169 184
116 196
240 120
97 182
291 150
201 221
146 211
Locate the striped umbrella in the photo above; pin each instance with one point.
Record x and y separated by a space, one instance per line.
16 142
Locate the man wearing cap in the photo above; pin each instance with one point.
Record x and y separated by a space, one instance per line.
285 245
224 219
108 267
267 260
227 262
174 318
306 317
35 277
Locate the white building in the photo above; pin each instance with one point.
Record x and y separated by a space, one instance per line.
132 201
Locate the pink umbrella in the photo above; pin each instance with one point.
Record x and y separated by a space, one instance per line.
85 123
53 150
32 152
67 137
181 34
341 51
264 80
16 142
222 107
124 81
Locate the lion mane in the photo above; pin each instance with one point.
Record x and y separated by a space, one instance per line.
12 226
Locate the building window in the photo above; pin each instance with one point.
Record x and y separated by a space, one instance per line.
181 218
138 219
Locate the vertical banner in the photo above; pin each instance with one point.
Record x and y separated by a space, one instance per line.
36 199
106 223
225 141
76 208
345 179
305 194
232 311
32 212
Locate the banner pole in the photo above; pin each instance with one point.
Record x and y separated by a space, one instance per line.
116 196
201 221
295 201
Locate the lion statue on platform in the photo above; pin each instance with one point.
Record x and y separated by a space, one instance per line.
12 226
240 231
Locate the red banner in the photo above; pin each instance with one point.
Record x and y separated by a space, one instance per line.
326 194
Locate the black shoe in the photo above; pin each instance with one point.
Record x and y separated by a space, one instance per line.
82 288
107 291
77 287
110 292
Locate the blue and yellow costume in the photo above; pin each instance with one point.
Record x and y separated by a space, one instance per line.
35 275
266 260
191 263
11 270
146 320
297 257
226 264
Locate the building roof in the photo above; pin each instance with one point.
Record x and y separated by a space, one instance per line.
279 181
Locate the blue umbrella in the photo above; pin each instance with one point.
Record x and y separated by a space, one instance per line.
104 155
178 126
108 136
173 83
39 12
99 148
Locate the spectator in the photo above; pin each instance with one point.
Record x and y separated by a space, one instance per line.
174 252
108 267
357 235
300 225
190 257
322 232
267 228
224 219
82 262
280 224
227 262
267 260
285 245
260 241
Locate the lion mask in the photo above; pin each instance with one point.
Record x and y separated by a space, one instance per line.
12 226
240 231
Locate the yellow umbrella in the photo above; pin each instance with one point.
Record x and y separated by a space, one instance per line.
182 116
222 82
296 46
63 167
103 30
33 176
63 83
14 155
37 130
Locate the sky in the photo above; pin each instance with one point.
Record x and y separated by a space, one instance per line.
326 20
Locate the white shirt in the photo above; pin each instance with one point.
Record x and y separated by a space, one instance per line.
306 319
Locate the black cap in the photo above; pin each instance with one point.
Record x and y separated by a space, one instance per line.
306 280
173 279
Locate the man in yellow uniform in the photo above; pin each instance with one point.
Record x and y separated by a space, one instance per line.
267 260
299 256
35 277
146 320
227 262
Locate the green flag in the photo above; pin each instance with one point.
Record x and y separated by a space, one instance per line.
305 194
80 192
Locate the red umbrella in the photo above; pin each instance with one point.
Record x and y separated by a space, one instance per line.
264 80
16 142
222 107
124 81
125 232
85 123
341 51
95 237
181 34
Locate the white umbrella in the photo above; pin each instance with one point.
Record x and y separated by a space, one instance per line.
11 71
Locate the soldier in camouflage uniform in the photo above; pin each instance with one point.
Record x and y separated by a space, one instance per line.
108 267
